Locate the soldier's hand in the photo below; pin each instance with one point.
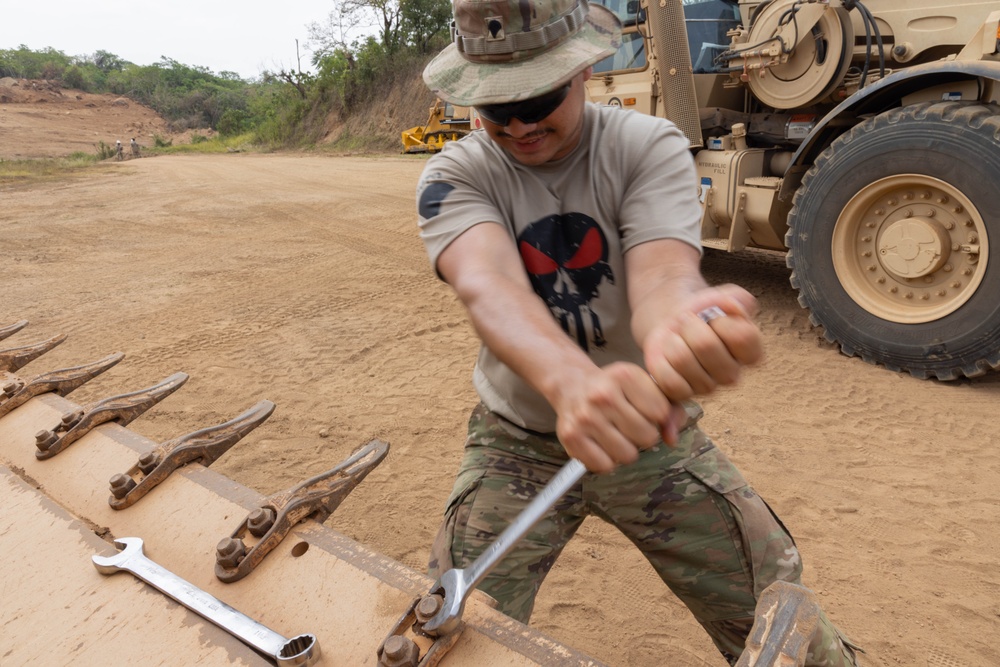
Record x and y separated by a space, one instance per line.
689 356
606 417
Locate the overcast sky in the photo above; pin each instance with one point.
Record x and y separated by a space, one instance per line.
242 36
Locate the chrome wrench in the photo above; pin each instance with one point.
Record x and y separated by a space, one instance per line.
299 651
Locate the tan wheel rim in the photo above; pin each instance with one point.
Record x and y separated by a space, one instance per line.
910 249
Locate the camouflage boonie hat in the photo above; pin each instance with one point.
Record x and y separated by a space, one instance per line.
512 50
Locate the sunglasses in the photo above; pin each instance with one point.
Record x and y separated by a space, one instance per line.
528 111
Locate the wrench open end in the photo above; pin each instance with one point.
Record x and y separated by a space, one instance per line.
454 590
127 547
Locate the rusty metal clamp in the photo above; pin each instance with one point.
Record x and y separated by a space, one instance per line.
16 392
204 446
407 645
11 329
122 409
15 357
314 498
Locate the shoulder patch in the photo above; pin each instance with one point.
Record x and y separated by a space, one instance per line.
431 198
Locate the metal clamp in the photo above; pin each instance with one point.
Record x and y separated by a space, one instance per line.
314 498
15 357
16 392
204 447
401 649
11 329
122 409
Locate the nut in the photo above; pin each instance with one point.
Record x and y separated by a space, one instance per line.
260 521
229 552
121 484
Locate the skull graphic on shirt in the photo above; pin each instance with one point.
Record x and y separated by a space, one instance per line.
566 257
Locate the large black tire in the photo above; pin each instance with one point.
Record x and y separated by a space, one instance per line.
894 240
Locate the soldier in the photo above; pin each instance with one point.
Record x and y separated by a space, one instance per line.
135 148
571 233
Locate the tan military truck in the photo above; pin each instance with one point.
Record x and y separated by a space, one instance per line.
861 138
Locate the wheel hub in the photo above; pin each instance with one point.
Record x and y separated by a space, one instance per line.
910 248
914 247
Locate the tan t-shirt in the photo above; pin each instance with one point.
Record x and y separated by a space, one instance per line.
630 180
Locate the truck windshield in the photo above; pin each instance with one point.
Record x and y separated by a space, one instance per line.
707 22
631 54
627 11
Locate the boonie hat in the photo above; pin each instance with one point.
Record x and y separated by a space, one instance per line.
512 50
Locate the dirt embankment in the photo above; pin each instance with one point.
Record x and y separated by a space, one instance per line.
40 119
301 279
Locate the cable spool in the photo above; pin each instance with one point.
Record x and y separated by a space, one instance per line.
816 66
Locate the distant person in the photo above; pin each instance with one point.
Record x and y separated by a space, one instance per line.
119 152
135 148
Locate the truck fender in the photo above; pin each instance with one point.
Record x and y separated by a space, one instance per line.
877 98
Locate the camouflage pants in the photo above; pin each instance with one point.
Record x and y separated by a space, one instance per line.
708 535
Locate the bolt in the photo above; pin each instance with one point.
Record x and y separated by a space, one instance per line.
969 223
908 213
881 280
967 272
880 211
121 484
45 439
956 284
924 297
870 225
943 199
866 253
866 239
399 651
931 213
893 201
949 225
941 292
230 552
260 521
10 388
893 289
957 209
872 267
908 295
908 196
71 418
925 195
148 462
428 606
947 268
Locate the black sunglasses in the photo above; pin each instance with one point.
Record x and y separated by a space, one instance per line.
528 111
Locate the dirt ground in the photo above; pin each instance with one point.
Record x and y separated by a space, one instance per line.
301 279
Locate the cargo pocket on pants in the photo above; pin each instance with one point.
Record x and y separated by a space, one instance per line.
456 514
768 547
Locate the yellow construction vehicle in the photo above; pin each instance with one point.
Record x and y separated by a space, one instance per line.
444 123
862 138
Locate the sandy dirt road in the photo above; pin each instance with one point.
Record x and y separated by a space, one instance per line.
302 280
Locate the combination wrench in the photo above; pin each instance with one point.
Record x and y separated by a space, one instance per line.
300 651
450 592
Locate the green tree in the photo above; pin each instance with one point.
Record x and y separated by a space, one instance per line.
426 24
